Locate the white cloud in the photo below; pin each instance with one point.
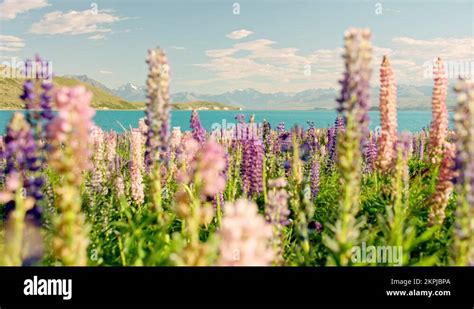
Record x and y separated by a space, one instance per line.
11 43
411 56
280 68
254 45
446 48
261 64
237 68
96 37
178 47
105 72
9 9
217 53
75 22
239 34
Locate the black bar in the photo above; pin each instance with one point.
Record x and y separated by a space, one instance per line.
287 285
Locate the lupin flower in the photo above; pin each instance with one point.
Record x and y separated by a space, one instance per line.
284 138
331 144
210 164
136 167
439 122
266 134
37 95
444 187
119 185
421 145
404 146
203 180
311 137
354 104
355 94
464 182
398 207
388 116
314 180
464 127
158 107
338 128
371 151
158 120
185 153
21 193
69 136
98 161
204 166
245 236
110 140
281 127
277 212
199 133
322 152
240 118
21 159
116 174
284 141
404 150
315 226
251 168
142 126
2 159
339 124
175 139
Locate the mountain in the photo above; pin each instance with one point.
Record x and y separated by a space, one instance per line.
408 97
12 88
415 97
203 105
90 81
131 92
197 105
103 97
185 97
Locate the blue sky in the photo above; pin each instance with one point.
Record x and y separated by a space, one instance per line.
269 46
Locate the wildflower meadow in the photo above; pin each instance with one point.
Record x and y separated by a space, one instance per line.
73 194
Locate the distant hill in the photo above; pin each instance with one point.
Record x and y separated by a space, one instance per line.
408 97
130 96
203 105
198 105
12 88
86 79
103 97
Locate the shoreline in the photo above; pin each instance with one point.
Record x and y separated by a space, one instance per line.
237 110
137 109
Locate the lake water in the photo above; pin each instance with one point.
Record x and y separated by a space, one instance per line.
117 120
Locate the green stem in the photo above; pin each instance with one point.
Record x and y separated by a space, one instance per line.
122 253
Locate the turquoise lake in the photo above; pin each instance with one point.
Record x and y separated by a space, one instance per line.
117 120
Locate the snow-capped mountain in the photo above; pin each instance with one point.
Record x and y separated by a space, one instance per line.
409 97
185 97
131 92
